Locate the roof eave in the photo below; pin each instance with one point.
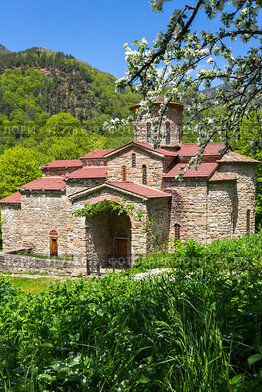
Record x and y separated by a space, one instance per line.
79 195
254 162
23 190
179 106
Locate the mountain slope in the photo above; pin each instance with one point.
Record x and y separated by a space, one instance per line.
3 49
39 80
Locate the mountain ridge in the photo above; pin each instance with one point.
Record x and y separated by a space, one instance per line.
4 49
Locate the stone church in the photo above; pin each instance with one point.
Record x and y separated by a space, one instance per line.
215 201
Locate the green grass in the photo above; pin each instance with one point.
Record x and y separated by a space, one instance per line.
31 285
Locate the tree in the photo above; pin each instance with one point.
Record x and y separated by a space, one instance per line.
185 59
62 123
18 165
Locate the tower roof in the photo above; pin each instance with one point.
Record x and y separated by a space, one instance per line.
159 101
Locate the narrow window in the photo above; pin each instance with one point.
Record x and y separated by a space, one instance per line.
135 132
133 160
148 132
248 221
177 232
168 133
123 173
144 175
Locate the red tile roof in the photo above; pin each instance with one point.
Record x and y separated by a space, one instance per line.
231 156
190 150
15 198
204 170
147 146
97 154
220 176
63 163
90 172
138 189
45 183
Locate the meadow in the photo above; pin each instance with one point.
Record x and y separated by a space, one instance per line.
196 328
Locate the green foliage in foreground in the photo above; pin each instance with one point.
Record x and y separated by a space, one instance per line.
230 255
184 332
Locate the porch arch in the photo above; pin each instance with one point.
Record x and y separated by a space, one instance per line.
108 236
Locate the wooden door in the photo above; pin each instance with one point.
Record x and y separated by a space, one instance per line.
53 247
121 247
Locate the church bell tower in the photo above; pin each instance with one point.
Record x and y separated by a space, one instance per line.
171 127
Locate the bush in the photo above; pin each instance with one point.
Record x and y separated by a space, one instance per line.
237 254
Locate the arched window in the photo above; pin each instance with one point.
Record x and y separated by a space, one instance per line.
144 175
148 132
167 133
177 232
248 220
53 233
133 160
123 171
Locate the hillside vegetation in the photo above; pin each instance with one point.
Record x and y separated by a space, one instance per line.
196 329
40 81
53 106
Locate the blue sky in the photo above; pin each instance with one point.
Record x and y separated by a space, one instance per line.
92 31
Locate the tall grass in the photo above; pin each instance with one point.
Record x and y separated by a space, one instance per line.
197 331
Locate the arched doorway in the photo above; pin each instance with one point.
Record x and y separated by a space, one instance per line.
109 237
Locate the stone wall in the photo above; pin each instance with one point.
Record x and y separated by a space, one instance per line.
20 264
42 212
246 188
174 118
158 212
94 161
58 171
79 184
222 210
154 165
11 229
188 207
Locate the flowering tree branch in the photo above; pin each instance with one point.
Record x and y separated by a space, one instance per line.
184 61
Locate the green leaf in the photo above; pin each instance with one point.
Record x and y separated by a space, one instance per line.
236 379
254 358
144 380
